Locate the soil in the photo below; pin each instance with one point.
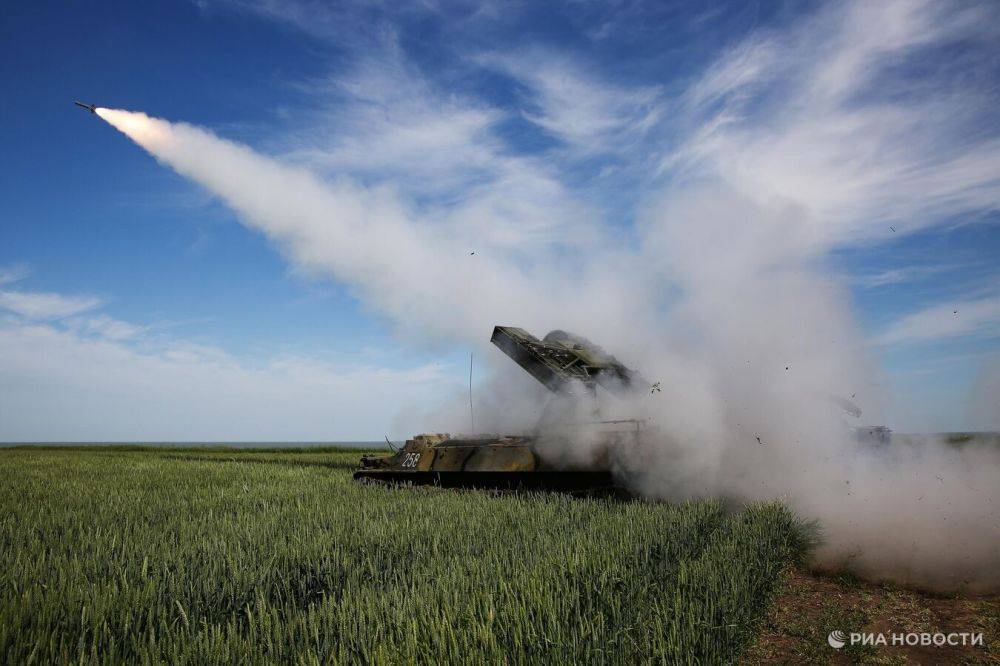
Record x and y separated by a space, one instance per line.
809 605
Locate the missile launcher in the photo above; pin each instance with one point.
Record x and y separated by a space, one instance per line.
572 368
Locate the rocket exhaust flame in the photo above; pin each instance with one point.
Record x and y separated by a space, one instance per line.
756 339
150 133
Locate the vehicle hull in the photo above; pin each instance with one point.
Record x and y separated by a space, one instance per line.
566 481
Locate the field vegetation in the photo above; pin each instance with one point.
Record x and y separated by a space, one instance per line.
223 556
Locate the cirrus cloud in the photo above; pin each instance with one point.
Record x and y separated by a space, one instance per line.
44 305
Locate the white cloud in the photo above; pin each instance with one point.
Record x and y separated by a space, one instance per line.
901 275
110 328
315 18
732 77
386 118
65 384
822 114
352 23
70 376
41 305
884 278
389 126
815 116
946 320
590 114
13 273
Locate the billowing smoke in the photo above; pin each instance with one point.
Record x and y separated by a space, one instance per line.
722 298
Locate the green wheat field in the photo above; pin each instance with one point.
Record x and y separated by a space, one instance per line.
130 554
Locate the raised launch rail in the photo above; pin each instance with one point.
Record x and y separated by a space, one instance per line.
563 359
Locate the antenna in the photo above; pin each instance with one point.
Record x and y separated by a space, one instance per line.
472 414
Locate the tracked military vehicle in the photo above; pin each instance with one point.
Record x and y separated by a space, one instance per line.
571 368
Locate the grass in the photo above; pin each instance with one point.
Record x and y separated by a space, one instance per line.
193 555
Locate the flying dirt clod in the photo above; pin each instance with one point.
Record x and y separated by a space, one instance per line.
569 366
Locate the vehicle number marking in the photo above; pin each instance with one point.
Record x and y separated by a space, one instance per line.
410 459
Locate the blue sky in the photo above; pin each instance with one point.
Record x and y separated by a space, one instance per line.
538 121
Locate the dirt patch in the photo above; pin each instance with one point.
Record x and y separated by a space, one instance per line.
809 606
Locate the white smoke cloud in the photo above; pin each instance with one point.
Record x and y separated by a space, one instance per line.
417 269
985 403
722 294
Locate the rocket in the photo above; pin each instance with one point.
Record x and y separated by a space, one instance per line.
90 107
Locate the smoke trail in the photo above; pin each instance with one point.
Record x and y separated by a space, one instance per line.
417 270
725 301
